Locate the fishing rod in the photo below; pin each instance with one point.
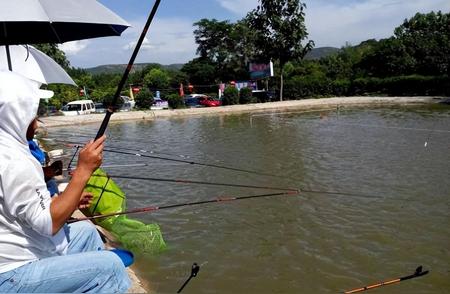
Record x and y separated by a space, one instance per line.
113 105
194 163
155 208
184 161
81 145
183 181
417 273
194 271
342 193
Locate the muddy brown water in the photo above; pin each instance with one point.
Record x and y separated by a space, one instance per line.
310 243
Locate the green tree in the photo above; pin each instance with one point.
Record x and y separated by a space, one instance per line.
157 79
230 96
245 96
226 46
144 99
426 38
200 71
175 101
279 27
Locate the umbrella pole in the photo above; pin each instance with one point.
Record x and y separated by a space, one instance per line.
8 57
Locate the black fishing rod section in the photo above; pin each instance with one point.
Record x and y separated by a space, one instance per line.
138 154
195 163
74 144
155 208
113 105
185 181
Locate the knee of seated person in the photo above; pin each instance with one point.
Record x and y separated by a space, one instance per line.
112 258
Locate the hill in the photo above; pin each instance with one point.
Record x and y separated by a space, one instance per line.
315 53
120 68
320 52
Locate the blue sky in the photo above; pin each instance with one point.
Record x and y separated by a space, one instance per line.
170 38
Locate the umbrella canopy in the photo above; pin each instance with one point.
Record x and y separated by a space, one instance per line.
34 65
56 21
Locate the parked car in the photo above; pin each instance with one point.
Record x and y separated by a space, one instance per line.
200 100
192 100
208 101
158 103
128 104
99 108
78 107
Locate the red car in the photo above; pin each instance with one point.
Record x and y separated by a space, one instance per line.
208 101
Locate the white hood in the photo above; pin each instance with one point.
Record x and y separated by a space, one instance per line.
19 101
25 219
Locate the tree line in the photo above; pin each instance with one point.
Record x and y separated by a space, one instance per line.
414 61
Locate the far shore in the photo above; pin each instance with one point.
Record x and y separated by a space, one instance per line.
280 106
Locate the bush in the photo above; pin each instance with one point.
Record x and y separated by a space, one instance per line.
299 87
245 96
175 101
144 99
230 96
341 87
402 85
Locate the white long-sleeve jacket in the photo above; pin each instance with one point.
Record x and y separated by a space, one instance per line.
25 220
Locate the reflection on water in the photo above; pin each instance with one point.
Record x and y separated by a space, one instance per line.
312 243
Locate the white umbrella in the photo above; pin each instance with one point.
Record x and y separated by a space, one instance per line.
34 65
56 21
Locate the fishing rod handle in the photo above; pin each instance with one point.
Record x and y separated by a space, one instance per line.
104 125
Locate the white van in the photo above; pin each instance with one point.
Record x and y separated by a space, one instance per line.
78 107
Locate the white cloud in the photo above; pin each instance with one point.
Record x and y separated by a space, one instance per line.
329 23
335 22
72 48
169 40
238 7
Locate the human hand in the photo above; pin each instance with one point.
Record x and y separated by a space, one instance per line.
85 200
91 155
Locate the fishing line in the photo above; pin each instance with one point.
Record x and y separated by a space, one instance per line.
195 163
342 194
155 208
184 181
78 144
190 162
75 144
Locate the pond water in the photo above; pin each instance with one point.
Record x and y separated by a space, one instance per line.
396 217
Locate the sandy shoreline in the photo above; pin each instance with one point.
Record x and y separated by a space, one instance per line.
305 104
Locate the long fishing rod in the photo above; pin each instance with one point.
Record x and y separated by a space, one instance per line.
417 273
81 145
194 163
139 154
184 181
113 105
154 208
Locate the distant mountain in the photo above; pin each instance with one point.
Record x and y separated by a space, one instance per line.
321 52
315 53
120 68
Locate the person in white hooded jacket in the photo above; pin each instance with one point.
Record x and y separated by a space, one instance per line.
39 252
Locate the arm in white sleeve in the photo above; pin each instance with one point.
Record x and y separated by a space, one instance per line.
26 197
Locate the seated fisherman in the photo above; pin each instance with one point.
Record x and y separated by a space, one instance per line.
38 252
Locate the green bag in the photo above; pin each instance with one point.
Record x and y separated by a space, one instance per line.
109 198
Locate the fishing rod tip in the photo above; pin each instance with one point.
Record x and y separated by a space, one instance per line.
294 192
